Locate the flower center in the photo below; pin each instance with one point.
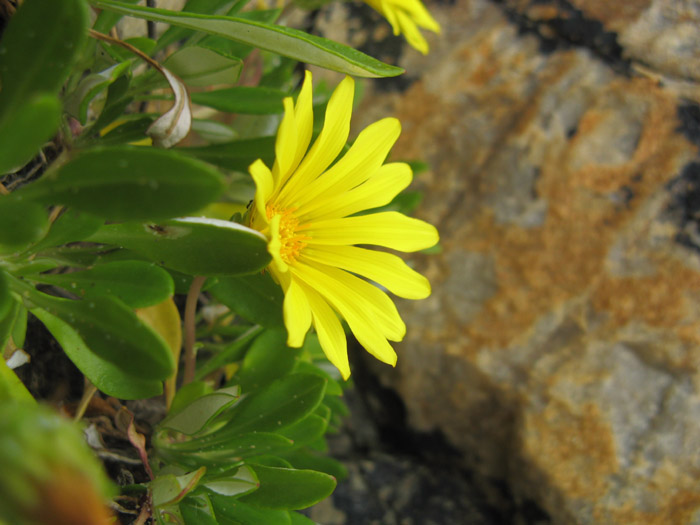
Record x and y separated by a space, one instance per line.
291 242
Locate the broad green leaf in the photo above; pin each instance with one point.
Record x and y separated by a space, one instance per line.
129 183
25 128
113 332
278 405
136 283
197 509
237 155
11 388
255 297
105 375
189 393
300 519
289 489
39 47
281 40
242 99
70 226
333 387
268 359
199 66
195 416
241 481
231 47
23 222
243 514
78 102
232 352
192 245
6 299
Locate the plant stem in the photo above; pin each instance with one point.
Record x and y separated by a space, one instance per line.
190 309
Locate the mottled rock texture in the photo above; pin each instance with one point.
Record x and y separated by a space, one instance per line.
560 350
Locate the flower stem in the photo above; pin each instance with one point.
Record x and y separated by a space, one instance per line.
190 309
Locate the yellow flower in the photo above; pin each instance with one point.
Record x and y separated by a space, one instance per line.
307 207
406 16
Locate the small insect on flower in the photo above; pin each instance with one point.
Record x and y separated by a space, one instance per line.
308 211
405 17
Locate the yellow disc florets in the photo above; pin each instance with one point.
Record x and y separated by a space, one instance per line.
291 241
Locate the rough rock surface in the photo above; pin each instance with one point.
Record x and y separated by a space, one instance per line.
560 350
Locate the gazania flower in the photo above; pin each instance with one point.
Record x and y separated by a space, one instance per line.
308 209
406 16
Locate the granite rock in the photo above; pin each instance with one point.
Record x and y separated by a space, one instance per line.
560 350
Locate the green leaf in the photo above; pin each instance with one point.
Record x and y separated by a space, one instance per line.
25 128
242 481
129 183
130 131
333 387
105 375
6 299
113 332
78 101
197 510
189 393
136 283
200 66
236 155
300 519
193 245
281 40
11 388
255 297
70 226
280 404
7 323
222 450
39 47
106 19
268 359
232 352
195 416
243 514
310 428
19 328
289 489
243 99
303 459
22 223
168 489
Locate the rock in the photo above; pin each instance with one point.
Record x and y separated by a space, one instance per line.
560 350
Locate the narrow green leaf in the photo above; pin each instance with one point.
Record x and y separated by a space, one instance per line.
268 359
105 375
7 323
281 40
231 353
197 509
129 183
106 20
243 514
6 299
78 101
195 416
221 450
113 332
303 459
39 47
19 328
280 404
23 222
200 66
25 128
237 155
241 481
289 489
310 428
193 245
11 388
243 99
333 388
255 297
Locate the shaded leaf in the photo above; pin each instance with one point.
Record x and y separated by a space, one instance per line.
202 66
195 416
23 222
255 297
268 359
237 155
243 514
243 99
289 489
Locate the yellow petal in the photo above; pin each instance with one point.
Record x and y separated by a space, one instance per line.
419 14
391 229
263 189
285 144
329 143
387 182
360 162
370 316
297 314
412 33
381 267
329 330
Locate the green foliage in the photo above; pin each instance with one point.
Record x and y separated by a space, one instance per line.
100 227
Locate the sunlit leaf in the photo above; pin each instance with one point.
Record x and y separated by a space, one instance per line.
289 489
